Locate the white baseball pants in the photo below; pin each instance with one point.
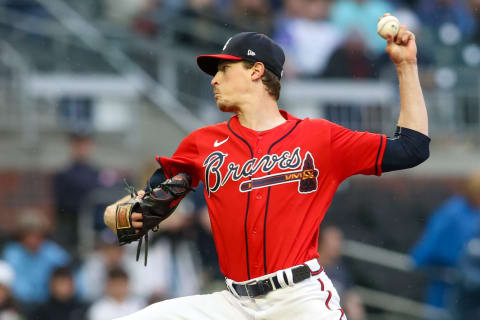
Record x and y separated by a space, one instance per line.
313 298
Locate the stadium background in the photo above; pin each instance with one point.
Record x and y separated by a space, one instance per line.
121 75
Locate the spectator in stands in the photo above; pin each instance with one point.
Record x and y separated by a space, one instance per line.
123 12
330 244
62 304
145 21
330 250
33 257
160 280
474 6
352 59
176 244
71 186
465 304
200 24
446 234
353 305
28 7
454 14
206 247
251 15
361 15
150 282
93 272
118 300
307 35
9 309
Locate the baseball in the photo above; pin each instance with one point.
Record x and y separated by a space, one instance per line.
388 25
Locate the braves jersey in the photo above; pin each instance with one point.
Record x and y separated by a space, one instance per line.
267 192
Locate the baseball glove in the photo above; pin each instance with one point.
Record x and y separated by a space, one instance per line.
156 205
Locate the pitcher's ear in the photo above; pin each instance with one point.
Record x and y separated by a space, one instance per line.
258 70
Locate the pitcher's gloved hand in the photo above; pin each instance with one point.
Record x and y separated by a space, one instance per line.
156 205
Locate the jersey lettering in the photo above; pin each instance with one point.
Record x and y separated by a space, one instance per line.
214 179
306 177
213 163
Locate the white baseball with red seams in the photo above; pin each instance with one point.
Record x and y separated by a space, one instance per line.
388 25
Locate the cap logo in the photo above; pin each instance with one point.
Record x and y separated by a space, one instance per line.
250 53
226 44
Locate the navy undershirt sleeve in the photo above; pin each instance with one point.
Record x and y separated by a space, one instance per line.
408 148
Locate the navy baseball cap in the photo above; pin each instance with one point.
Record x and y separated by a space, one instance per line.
248 46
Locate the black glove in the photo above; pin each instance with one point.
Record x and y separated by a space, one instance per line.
156 205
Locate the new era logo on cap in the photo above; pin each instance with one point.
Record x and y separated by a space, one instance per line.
248 46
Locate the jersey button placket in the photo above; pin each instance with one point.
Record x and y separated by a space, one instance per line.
259 152
259 149
256 234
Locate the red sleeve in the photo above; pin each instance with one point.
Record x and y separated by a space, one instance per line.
183 160
355 152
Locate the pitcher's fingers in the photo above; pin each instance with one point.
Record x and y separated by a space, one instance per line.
401 32
411 36
390 39
137 224
406 36
137 216
140 194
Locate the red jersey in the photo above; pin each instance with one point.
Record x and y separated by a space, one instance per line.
267 192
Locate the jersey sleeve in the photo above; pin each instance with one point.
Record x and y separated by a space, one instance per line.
184 160
355 152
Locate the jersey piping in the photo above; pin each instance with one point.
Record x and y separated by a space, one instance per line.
378 155
248 199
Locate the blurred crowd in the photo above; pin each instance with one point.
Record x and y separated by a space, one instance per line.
48 271
449 253
322 38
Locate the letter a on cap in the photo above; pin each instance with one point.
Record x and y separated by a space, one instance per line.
226 44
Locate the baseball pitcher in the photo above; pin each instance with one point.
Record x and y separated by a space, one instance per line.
269 179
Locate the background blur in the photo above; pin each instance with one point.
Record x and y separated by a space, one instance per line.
92 90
